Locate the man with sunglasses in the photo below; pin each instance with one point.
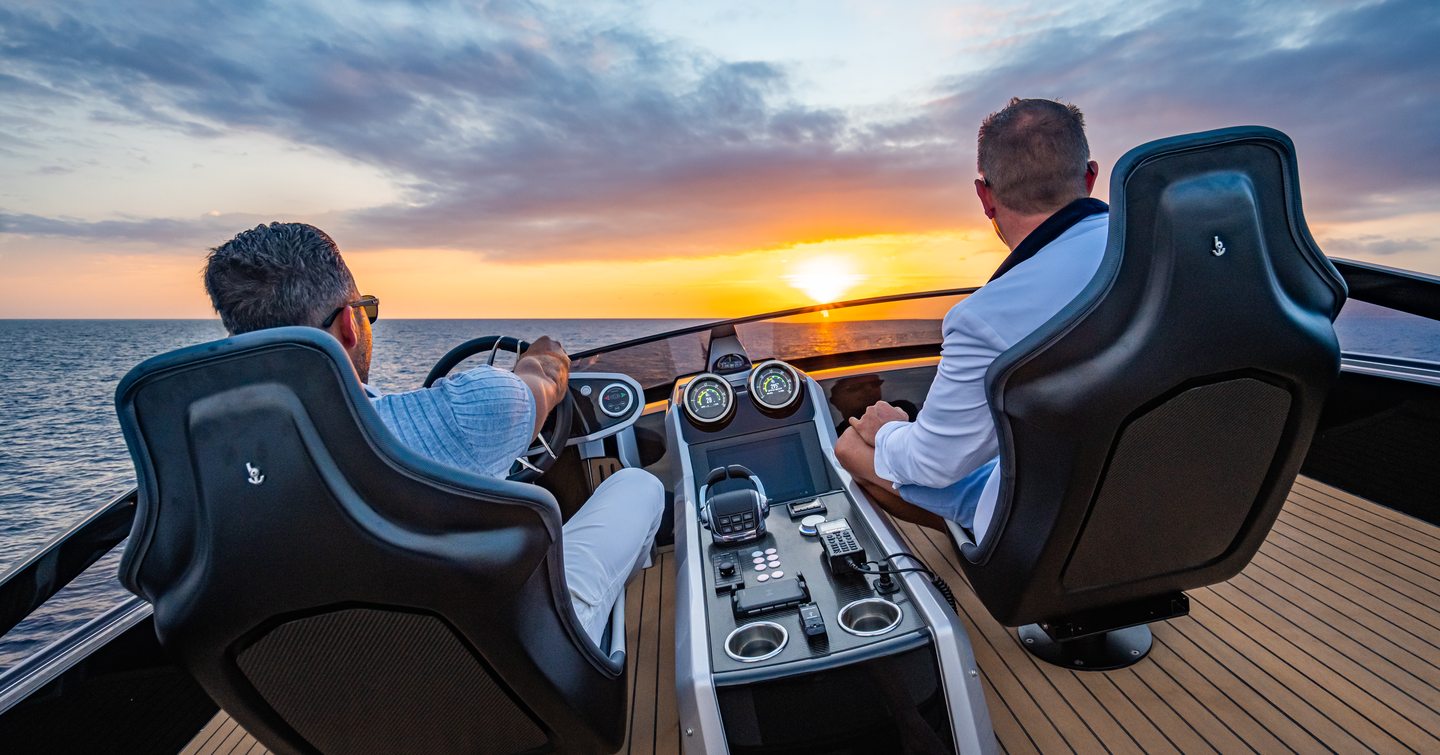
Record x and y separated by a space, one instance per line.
285 274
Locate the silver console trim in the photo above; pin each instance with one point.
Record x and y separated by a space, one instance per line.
701 730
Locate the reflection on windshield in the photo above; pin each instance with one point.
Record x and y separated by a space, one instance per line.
654 363
851 396
865 327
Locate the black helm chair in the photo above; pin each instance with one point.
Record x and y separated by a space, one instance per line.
1150 431
333 590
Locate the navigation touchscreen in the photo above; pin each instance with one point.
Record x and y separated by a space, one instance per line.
779 461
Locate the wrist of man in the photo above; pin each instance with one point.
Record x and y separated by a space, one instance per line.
548 365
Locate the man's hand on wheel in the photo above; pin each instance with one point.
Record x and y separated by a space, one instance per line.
546 370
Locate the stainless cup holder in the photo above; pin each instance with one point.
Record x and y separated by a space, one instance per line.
870 616
756 641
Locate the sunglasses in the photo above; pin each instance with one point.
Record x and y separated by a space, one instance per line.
371 305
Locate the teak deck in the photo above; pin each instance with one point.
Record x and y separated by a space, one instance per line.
1328 641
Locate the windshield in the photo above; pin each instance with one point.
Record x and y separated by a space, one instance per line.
890 323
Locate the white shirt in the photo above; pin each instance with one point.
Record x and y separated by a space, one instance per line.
954 433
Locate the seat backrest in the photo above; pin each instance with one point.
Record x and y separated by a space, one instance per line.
1150 431
335 591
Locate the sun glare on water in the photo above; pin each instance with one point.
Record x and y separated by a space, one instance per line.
824 279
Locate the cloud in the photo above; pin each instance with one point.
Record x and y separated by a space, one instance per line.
1370 245
164 231
517 131
1355 86
531 132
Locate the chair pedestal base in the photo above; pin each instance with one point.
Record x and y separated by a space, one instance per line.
1104 651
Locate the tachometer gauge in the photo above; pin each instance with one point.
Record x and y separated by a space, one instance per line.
775 385
616 400
708 399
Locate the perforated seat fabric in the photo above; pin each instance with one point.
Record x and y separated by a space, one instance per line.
336 592
1150 431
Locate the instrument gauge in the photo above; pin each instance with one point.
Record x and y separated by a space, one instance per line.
708 399
616 400
775 385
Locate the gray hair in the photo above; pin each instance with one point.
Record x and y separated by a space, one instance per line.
276 275
1033 154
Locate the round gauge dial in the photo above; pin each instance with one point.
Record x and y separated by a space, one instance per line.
616 400
775 385
708 399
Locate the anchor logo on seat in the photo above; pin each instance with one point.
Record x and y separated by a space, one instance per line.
1219 248
255 477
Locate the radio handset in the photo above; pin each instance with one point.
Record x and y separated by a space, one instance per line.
735 516
840 546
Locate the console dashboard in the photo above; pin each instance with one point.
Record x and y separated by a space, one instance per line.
795 598
774 599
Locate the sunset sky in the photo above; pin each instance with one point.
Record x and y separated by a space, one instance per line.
650 159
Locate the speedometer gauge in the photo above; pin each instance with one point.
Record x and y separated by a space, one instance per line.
708 399
775 385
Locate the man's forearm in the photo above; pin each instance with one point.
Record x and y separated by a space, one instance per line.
543 383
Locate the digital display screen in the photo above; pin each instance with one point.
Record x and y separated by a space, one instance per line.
779 462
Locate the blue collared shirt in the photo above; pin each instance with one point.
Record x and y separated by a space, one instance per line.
478 421
954 435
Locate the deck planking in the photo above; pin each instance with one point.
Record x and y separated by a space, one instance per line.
1328 641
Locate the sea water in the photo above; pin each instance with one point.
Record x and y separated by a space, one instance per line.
62 454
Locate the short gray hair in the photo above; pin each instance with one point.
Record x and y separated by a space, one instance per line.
276 275
1033 154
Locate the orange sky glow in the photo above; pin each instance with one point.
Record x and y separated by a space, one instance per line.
457 284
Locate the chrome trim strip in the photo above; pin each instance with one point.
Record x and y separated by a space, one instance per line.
959 673
1418 373
60 656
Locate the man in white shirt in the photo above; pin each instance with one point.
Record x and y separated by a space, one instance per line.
1036 176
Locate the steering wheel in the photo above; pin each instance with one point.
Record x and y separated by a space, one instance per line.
553 434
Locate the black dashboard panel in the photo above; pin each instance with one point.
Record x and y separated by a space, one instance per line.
799 555
786 452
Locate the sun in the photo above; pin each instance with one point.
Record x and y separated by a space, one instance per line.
824 279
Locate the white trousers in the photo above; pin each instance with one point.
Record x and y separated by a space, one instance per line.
608 541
